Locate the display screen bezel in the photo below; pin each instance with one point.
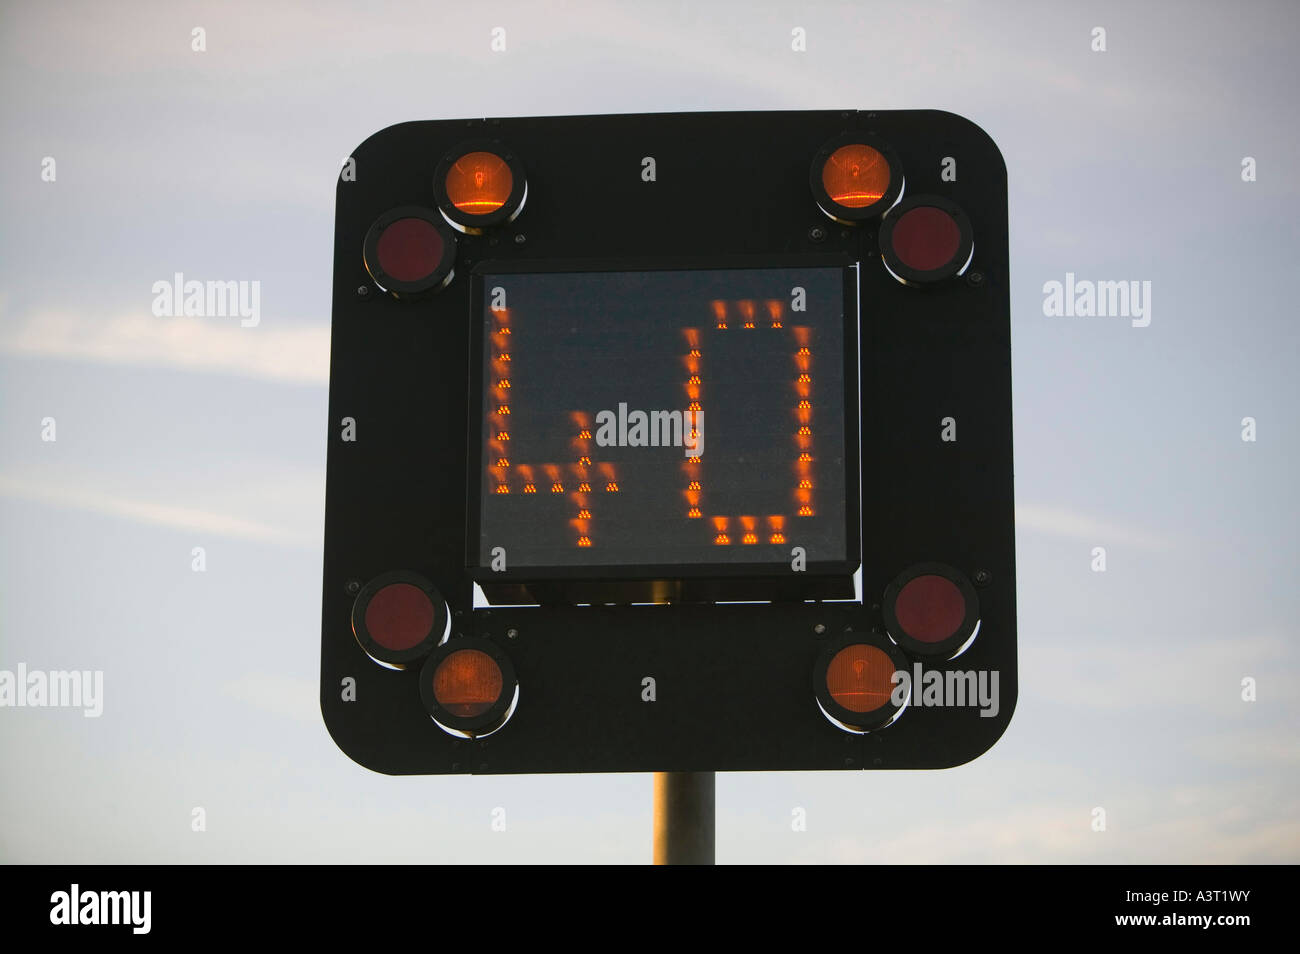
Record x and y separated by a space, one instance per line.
511 581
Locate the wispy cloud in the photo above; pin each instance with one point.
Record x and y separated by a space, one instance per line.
151 512
1209 673
1231 823
294 354
1060 522
280 694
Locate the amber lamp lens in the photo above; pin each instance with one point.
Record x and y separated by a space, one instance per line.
860 678
856 176
479 183
467 683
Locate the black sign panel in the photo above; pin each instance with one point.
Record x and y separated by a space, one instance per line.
670 442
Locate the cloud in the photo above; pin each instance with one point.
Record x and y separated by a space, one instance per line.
291 697
1233 823
292 354
151 512
1248 749
1201 675
1059 522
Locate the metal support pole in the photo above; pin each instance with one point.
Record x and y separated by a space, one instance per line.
684 817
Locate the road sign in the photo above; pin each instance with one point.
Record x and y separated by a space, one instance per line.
670 442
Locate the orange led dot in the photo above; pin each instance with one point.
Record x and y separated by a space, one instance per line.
805 485
777 538
503 435
584 541
584 488
693 485
504 384
805 457
749 538
584 461
694 512
503 409
584 514
722 540
692 460
557 488
805 511
530 488
479 183
584 435
611 487
693 406
502 489
503 462
856 176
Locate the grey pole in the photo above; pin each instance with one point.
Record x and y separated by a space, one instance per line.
684 816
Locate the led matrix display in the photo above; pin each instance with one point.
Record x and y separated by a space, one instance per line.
662 418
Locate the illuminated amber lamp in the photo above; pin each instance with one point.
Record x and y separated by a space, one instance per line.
854 683
479 186
855 177
469 687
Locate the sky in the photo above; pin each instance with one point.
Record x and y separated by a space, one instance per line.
175 433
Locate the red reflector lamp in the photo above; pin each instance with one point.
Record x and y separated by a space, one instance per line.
926 239
932 609
855 177
409 251
479 185
398 618
469 687
853 681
